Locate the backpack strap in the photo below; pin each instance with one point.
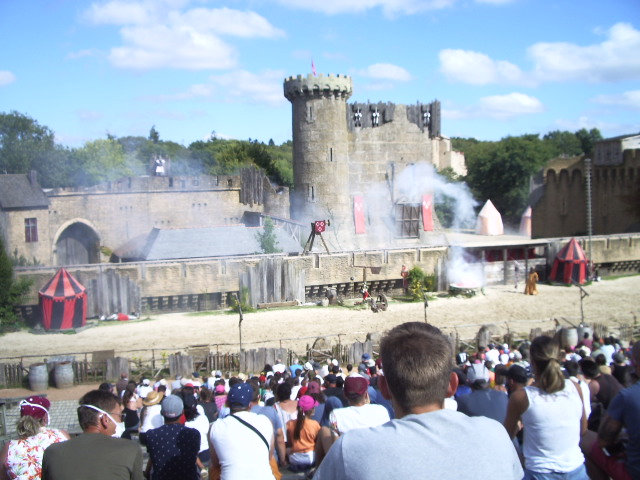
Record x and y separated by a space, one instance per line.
247 424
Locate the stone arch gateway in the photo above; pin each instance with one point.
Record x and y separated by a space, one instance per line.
77 243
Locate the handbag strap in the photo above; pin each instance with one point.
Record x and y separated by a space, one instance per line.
254 429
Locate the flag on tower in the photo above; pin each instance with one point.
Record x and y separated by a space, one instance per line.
313 68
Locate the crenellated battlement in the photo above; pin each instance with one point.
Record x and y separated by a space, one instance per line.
330 86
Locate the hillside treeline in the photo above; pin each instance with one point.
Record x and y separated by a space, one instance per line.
498 170
26 145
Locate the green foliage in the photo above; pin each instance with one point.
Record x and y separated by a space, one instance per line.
500 171
23 143
244 301
102 160
419 283
154 136
11 293
22 261
267 238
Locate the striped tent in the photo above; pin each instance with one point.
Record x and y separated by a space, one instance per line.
570 265
63 302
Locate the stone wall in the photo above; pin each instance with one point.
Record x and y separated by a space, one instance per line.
213 279
561 210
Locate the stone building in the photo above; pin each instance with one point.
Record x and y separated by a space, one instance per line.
559 199
347 159
80 226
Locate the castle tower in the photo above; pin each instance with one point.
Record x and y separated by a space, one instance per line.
320 149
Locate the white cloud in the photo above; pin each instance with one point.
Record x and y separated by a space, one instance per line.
241 85
510 105
163 34
89 115
616 58
389 7
6 77
161 46
118 13
477 68
499 107
386 71
225 21
630 99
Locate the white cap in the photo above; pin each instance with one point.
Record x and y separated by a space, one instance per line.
145 381
308 366
334 362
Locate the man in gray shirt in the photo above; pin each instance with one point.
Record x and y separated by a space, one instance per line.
95 454
424 441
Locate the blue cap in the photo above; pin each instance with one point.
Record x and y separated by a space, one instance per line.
366 356
240 394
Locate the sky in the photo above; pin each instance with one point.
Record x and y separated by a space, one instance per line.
197 68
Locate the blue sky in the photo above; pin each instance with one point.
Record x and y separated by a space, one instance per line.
192 67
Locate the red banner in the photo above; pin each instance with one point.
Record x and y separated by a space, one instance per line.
427 212
358 213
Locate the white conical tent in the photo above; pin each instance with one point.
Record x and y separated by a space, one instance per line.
489 221
525 223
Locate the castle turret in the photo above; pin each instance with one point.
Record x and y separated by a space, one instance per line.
320 148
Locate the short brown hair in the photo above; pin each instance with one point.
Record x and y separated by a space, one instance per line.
417 360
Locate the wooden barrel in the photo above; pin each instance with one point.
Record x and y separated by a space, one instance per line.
63 375
569 337
38 377
582 329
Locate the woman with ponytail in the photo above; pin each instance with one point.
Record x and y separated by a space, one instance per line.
552 416
301 435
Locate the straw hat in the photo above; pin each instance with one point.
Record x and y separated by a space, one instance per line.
153 398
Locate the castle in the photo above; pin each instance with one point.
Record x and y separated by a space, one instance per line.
347 159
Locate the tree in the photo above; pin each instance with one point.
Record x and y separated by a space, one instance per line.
588 139
101 160
501 173
154 136
23 142
267 238
563 143
11 292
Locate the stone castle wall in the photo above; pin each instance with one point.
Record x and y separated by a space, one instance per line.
615 202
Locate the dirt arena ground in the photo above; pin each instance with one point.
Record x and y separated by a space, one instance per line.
610 301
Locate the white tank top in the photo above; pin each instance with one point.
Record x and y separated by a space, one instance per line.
552 430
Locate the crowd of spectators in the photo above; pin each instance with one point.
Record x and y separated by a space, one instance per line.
537 411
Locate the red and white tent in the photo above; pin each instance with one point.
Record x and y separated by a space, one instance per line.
489 221
570 265
63 302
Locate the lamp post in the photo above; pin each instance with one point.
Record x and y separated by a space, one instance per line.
587 163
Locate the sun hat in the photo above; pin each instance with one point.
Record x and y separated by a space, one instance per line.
152 398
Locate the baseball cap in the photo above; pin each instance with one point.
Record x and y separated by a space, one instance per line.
308 366
365 357
331 378
240 394
172 406
306 403
355 386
